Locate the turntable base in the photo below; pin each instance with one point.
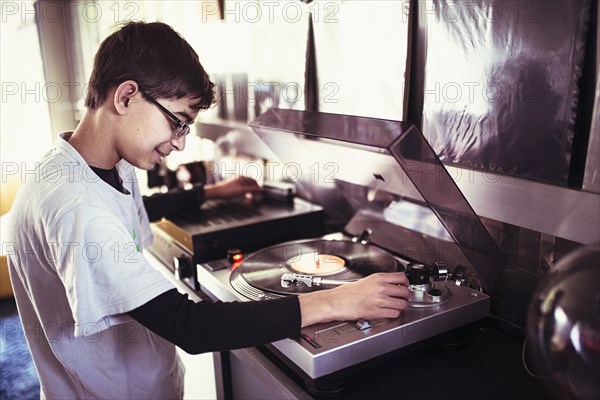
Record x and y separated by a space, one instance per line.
328 352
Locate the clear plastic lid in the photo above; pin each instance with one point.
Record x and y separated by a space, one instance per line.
409 201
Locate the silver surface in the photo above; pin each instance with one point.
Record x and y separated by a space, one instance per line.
344 345
565 213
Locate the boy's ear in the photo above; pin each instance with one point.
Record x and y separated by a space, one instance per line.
123 95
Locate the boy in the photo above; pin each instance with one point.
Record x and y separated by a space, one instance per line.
100 321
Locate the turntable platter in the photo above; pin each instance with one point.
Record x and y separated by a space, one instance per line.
335 259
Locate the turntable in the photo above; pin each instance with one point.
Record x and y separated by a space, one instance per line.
409 216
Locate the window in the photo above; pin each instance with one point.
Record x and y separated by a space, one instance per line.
24 118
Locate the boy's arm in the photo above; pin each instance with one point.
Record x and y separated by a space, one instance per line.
173 203
169 204
203 327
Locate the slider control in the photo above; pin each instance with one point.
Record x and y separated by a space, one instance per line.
362 324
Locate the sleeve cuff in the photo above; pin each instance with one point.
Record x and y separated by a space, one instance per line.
199 193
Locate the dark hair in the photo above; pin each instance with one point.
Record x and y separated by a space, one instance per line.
155 56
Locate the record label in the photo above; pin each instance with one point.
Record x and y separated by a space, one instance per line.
317 264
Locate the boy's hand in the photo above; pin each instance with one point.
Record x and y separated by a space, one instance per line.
381 295
238 186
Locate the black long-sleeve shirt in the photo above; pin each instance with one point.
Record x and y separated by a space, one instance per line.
172 203
203 327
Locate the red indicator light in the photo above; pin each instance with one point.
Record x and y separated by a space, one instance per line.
234 256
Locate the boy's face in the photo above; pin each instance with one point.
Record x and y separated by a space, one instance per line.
149 134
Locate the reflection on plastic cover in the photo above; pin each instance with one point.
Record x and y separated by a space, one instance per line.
501 86
415 217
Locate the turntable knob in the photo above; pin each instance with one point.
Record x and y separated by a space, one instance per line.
418 274
183 267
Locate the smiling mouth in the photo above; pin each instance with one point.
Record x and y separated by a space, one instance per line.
160 155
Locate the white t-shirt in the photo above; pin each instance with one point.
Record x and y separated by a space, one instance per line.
77 268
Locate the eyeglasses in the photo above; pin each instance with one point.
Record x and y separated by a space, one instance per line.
182 128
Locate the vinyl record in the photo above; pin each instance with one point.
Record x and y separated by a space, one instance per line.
332 259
